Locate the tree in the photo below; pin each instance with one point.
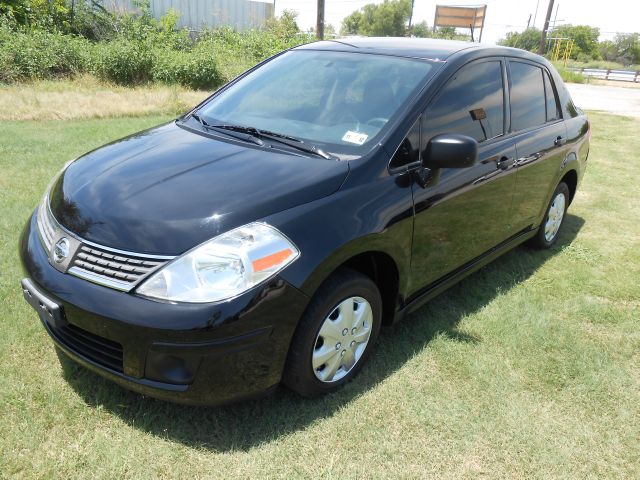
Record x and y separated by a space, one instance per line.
52 14
351 23
627 48
387 19
421 30
624 48
330 31
529 39
449 33
285 26
18 11
585 39
608 51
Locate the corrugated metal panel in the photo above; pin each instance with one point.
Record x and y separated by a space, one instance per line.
196 14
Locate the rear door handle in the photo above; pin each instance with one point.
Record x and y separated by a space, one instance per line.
559 141
505 163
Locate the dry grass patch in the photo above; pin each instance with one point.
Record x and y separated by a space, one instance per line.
88 98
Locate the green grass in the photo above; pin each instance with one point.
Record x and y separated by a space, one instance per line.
528 368
570 76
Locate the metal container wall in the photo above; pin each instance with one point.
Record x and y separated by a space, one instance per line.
198 14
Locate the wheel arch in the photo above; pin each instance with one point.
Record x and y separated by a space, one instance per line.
383 271
378 265
571 180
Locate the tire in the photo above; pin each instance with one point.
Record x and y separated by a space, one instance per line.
325 328
553 219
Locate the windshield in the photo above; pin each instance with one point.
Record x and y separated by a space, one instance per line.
339 102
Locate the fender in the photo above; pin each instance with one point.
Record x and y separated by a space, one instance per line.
332 230
568 164
576 157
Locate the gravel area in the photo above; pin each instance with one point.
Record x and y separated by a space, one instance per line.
617 100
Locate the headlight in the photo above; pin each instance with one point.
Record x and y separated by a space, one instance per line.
223 267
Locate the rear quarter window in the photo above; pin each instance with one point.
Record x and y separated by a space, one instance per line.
553 107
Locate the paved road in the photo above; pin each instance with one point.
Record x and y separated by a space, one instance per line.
618 100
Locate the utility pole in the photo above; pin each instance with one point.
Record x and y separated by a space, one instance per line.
529 22
411 16
320 21
543 37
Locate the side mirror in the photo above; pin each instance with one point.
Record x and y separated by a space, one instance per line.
450 150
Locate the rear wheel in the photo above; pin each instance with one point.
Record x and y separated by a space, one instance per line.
336 334
554 218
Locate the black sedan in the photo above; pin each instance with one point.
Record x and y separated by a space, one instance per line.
268 234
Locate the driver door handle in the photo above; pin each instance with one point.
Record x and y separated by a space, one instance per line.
505 162
559 141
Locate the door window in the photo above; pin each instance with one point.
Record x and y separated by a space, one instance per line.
528 102
472 104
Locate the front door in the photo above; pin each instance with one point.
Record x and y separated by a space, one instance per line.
462 213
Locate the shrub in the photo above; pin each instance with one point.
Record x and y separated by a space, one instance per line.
157 33
137 49
40 54
570 76
124 62
239 51
196 69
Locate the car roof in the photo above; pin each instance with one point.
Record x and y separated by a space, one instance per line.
423 48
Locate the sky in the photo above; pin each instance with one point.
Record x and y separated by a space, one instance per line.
503 16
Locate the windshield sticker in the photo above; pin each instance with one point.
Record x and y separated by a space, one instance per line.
355 137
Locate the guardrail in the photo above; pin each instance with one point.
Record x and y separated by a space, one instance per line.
619 75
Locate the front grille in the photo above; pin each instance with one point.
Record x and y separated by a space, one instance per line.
93 261
99 264
97 349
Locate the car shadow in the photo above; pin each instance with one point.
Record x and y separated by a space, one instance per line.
244 425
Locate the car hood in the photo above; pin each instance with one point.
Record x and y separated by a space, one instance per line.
167 189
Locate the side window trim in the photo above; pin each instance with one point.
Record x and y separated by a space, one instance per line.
506 92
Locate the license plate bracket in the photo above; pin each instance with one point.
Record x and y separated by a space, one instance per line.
48 310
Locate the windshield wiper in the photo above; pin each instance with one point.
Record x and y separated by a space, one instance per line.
280 138
257 134
247 136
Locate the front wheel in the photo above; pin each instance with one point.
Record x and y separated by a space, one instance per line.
335 335
554 218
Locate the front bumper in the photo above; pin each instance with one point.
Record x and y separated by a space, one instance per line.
187 353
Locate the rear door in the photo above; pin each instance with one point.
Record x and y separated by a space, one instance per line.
540 133
462 213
